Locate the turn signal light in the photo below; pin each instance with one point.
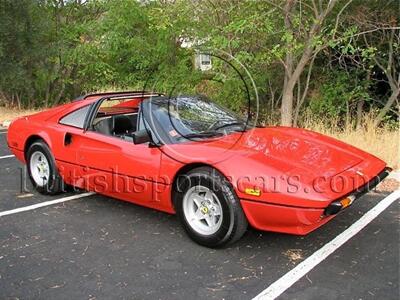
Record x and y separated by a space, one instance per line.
347 201
337 206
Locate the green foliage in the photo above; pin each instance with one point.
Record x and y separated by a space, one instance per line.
131 47
338 94
38 50
52 51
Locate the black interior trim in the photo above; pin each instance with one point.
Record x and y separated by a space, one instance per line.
95 106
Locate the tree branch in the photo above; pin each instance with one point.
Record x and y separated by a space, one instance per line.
338 15
305 91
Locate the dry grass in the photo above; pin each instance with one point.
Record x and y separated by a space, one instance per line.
9 114
382 142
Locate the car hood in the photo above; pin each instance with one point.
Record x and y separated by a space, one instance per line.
276 158
283 148
294 150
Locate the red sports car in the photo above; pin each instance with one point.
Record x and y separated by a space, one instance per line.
187 155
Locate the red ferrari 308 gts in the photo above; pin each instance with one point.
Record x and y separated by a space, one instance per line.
189 156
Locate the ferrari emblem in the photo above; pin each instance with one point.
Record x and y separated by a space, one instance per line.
254 192
204 210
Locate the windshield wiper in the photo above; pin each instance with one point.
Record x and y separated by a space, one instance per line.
204 134
231 124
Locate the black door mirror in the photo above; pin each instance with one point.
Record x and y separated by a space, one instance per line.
141 137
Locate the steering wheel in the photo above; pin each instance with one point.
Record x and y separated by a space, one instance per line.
213 124
216 122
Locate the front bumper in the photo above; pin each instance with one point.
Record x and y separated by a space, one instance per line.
285 219
339 205
299 220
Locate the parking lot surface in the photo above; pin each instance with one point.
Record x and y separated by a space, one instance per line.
101 248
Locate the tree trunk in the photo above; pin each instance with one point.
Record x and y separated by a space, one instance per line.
47 95
287 109
294 67
393 81
287 94
18 101
287 104
395 94
360 107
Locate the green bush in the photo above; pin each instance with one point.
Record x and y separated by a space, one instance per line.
338 94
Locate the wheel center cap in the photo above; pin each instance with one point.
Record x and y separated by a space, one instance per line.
204 210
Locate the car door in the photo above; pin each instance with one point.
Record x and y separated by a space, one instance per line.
112 165
119 168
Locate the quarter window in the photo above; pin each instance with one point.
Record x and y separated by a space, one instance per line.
76 118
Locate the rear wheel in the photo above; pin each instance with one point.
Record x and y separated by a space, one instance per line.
42 169
208 208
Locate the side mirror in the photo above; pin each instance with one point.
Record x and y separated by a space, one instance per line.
141 137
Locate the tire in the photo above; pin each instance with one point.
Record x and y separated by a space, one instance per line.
208 208
42 169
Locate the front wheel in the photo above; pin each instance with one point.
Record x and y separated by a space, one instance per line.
208 208
42 169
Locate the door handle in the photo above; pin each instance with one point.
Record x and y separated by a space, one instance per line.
67 139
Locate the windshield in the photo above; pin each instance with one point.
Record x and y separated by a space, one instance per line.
193 117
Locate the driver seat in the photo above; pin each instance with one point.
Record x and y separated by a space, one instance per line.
122 125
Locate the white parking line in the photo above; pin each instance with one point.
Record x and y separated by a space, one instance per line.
47 203
287 280
7 156
3 132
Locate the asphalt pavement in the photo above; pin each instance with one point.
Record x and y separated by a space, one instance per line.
101 248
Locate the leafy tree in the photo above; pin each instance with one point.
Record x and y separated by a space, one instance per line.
328 55
372 43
